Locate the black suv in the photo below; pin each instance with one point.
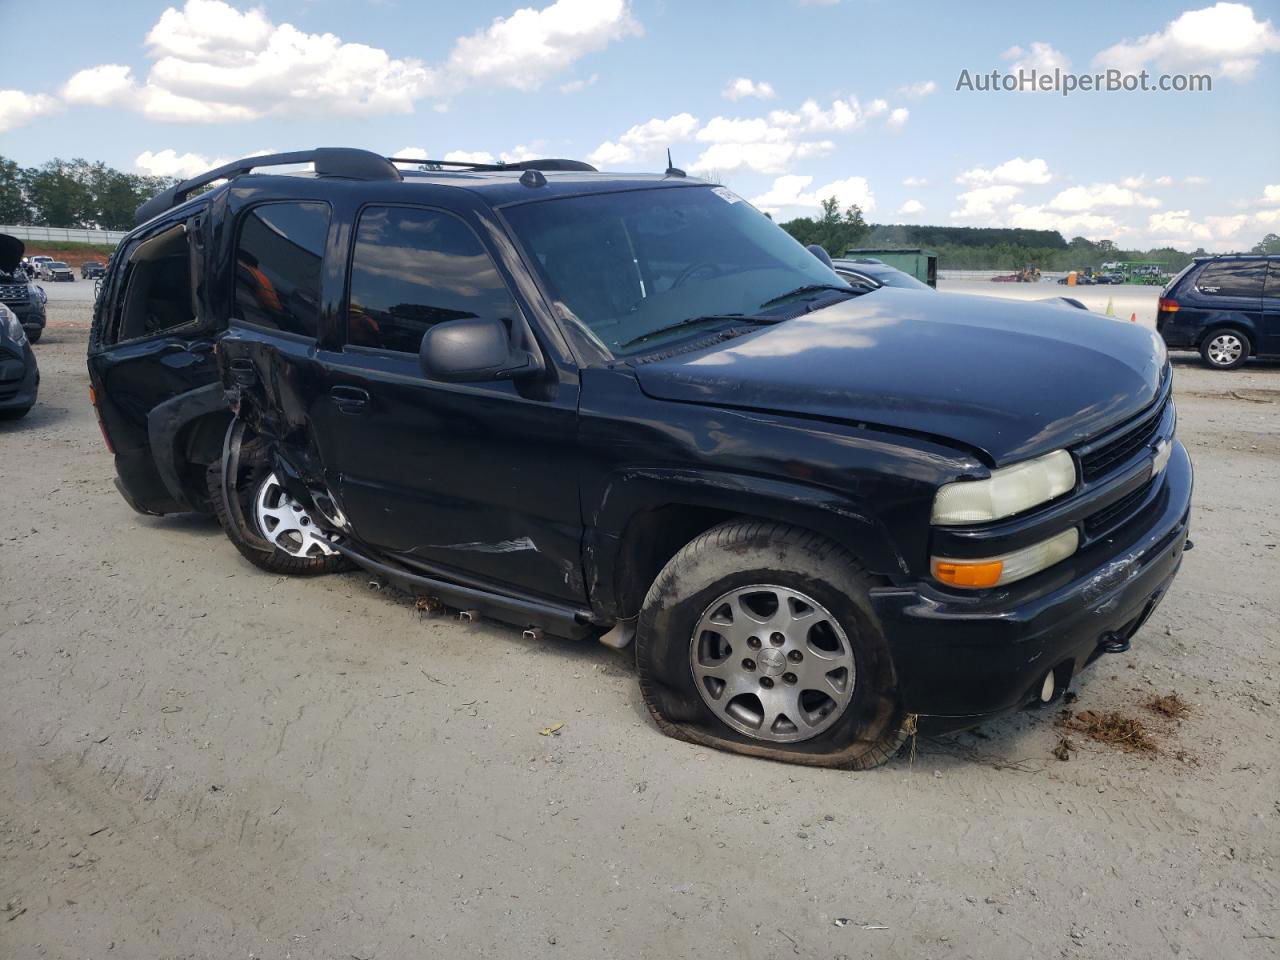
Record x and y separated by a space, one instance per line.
631 406
1228 308
18 289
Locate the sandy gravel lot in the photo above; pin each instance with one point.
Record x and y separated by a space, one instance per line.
200 760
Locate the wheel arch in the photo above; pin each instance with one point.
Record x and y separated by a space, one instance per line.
186 434
646 519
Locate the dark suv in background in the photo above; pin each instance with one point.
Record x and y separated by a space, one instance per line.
1228 308
631 406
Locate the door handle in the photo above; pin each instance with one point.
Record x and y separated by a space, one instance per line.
352 400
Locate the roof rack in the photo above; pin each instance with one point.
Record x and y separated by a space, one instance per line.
346 162
540 164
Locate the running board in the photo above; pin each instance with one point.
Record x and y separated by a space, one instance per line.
558 619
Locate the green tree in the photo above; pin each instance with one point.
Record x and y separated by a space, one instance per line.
833 231
13 201
1268 244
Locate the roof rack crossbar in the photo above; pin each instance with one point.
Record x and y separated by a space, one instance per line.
346 162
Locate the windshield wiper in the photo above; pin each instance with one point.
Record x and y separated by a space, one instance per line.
807 288
691 321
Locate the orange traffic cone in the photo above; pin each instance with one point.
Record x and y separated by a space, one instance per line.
1133 317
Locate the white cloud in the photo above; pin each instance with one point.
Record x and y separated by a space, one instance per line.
844 114
1041 57
1271 193
469 156
1181 229
877 107
1015 171
573 86
1096 195
791 193
1142 180
170 163
982 202
530 46
18 107
768 157
897 118
1226 37
212 62
741 87
917 90
911 208
1194 181
915 182
643 139
411 153
1038 217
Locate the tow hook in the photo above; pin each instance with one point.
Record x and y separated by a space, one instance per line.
1188 545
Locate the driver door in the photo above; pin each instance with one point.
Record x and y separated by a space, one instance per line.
477 481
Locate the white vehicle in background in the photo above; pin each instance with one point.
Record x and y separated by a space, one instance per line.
36 264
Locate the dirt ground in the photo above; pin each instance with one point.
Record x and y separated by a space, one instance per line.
198 759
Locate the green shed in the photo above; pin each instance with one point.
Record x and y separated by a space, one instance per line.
916 261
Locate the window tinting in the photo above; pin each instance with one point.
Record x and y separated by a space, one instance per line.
1273 281
415 268
1240 279
278 266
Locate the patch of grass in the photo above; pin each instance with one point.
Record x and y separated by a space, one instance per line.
1170 706
1110 727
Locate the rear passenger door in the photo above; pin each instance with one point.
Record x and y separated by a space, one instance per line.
474 481
1271 311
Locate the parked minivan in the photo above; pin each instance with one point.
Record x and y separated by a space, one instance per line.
1228 308
630 406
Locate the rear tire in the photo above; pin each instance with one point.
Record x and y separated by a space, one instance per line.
254 474
33 336
818 628
1225 348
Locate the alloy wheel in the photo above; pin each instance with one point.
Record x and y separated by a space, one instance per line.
772 663
285 524
1225 349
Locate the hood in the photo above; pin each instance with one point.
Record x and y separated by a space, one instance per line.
11 251
1010 378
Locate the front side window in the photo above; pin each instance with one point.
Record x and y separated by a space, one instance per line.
628 265
1241 279
414 268
278 260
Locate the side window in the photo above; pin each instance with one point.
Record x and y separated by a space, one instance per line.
154 290
278 258
1273 281
1239 279
414 268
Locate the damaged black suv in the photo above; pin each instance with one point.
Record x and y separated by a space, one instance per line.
630 406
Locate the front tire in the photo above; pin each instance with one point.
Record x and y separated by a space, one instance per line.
759 638
1226 349
278 522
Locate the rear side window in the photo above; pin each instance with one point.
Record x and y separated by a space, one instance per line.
413 268
278 259
1239 279
1273 281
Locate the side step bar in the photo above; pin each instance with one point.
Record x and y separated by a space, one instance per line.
561 620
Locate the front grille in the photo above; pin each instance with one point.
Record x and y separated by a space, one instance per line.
1101 460
1114 514
10 292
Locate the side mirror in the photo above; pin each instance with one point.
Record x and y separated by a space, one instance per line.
459 351
820 252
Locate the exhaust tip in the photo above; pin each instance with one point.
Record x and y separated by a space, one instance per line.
1048 688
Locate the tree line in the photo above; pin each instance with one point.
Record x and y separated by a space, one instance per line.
985 248
73 193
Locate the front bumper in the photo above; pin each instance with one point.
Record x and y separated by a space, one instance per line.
30 315
961 657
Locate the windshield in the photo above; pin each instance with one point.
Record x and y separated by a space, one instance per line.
58 265
628 264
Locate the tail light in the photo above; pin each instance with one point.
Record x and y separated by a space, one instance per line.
102 427
1167 305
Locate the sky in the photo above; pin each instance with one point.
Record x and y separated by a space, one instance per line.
784 101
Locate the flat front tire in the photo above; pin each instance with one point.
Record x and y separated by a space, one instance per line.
759 638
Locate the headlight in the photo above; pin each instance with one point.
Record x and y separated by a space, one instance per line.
11 326
1007 491
997 571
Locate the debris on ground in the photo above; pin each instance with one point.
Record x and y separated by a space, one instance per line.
551 731
1063 750
428 605
1170 705
1110 727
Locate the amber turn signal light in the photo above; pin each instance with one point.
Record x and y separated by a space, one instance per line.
1166 305
980 574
